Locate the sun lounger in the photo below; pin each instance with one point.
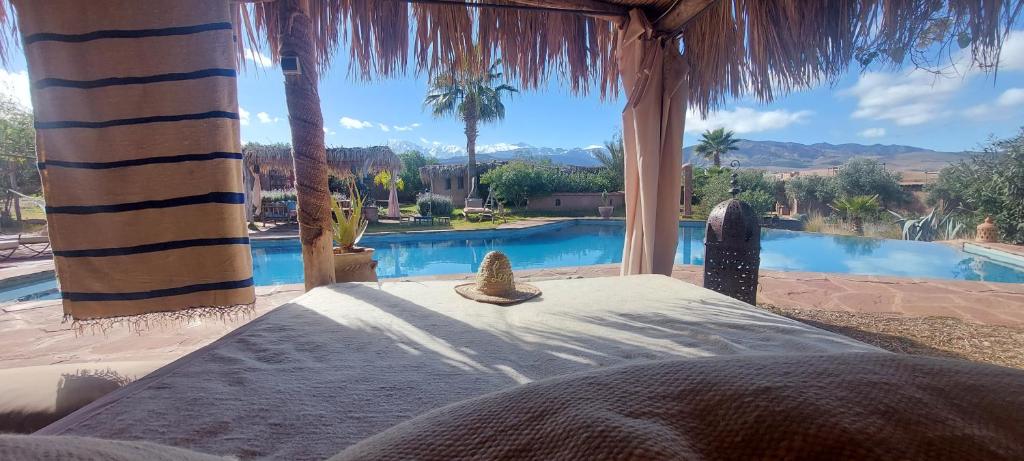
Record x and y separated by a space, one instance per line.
33 245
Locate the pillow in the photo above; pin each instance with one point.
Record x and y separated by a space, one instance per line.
852 406
66 448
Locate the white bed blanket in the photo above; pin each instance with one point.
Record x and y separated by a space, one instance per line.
341 363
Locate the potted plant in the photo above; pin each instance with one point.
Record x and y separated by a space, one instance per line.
605 210
351 263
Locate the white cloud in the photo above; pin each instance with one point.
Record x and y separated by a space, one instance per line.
258 58
329 132
266 118
593 146
353 124
1011 97
424 141
384 127
873 133
243 116
909 98
744 120
1012 55
15 85
408 127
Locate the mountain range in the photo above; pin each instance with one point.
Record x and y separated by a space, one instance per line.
770 155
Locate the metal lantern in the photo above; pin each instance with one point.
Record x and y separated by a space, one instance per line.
732 249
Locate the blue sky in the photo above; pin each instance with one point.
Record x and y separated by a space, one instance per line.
906 107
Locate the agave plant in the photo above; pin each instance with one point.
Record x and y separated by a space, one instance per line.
938 224
856 208
348 225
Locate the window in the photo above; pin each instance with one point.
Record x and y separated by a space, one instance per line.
448 183
462 182
558 202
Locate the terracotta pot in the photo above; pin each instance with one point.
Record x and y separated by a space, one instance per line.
355 266
605 211
370 213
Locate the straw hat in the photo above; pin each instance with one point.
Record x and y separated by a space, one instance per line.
495 283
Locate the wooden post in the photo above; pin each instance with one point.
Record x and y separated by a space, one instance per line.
687 190
307 127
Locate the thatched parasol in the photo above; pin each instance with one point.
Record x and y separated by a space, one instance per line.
341 161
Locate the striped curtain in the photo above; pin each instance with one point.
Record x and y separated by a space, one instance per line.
138 143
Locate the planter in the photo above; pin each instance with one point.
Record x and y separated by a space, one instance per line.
356 266
370 213
605 211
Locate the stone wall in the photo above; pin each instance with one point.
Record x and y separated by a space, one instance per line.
574 201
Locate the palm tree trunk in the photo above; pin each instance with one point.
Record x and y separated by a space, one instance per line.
471 134
307 127
717 160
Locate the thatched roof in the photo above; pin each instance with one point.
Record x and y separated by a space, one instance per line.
341 161
733 47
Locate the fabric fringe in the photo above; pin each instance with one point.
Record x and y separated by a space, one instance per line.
153 320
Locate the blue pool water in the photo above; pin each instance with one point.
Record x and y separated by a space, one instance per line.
578 243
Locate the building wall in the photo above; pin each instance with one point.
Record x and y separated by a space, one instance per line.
574 201
449 187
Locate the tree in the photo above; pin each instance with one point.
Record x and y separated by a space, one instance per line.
812 188
712 186
856 208
714 144
17 152
988 184
864 176
516 181
613 159
412 161
470 94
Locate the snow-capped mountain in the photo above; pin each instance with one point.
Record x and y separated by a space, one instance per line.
751 154
449 153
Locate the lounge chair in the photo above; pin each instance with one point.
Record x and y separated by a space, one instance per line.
34 245
274 212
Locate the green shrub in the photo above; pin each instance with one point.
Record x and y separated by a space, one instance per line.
412 161
434 205
864 176
277 195
756 188
812 188
988 184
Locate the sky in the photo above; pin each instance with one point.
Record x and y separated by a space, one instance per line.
907 107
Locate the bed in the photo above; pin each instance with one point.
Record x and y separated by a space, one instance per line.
344 362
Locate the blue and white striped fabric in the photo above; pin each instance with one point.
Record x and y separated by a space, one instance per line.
138 142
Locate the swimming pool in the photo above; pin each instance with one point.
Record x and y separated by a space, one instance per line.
587 242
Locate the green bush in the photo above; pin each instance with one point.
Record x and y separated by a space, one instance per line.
434 205
813 188
278 195
864 176
988 184
412 161
756 188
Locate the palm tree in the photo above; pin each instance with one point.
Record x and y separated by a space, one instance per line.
714 144
613 158
470 95
856 208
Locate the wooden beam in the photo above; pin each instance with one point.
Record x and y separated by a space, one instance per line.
677 16
589 6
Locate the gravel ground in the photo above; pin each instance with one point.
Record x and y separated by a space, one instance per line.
930 336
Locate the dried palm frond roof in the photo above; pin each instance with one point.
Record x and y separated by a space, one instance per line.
340 160
733 47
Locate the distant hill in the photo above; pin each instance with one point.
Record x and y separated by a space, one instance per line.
775 155
770 155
